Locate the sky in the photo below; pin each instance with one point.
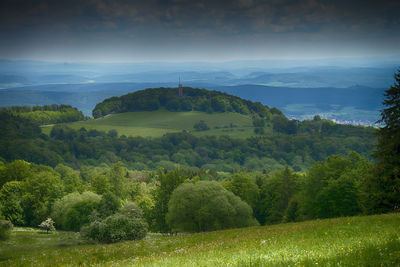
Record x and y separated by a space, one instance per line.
204 30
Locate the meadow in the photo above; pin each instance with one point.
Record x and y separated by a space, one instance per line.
160 122
348 241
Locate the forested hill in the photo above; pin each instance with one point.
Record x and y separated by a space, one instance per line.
47 114
192 99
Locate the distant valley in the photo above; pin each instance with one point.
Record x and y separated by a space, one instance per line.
348 91
357 103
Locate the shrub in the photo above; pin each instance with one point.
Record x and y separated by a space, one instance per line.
115 228
47 225
205 206
5 228
201 126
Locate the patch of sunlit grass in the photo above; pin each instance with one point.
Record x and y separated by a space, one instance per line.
157 123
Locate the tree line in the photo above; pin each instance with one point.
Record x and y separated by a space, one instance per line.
91 147
47 114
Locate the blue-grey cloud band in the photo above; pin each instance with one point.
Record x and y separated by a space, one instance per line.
105 30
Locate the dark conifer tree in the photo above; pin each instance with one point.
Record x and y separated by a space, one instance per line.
387 191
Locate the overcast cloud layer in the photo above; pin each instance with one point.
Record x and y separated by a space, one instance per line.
179 30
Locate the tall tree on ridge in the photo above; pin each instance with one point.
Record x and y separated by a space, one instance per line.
387 182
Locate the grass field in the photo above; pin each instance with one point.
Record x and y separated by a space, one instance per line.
157 123
350 241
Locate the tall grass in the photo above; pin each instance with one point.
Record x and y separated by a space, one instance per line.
350 241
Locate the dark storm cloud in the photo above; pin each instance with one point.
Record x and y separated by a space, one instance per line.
85 23
235 16
181 13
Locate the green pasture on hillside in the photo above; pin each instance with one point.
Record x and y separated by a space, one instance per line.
157 123
348 241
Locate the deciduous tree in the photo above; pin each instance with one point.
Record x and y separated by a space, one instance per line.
206 206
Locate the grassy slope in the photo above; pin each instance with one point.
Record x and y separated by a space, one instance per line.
157 123
352 241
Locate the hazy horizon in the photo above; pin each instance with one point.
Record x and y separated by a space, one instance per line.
326 61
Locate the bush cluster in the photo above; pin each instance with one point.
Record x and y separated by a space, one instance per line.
201 126
115 228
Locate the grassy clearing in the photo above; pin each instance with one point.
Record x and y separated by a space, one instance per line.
157 123
25 242
352 241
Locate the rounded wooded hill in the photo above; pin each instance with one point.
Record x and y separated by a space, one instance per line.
193 99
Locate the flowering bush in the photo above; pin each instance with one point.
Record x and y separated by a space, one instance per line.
47 225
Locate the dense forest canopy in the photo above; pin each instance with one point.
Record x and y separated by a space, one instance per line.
314 141
181 199
192 99
47 114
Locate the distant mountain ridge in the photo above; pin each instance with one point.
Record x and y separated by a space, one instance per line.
326 73
353 103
